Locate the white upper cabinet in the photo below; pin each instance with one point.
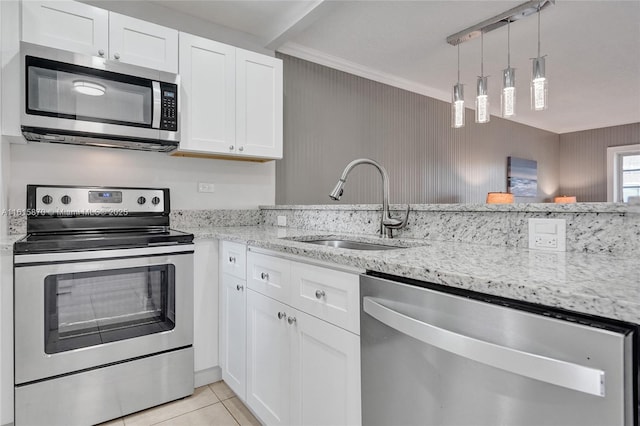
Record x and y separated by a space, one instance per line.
208 80
89 30
231 101
258 104
66 25
142 43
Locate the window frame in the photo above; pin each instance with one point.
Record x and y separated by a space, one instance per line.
614 169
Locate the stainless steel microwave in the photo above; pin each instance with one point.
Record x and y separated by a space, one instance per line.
76 99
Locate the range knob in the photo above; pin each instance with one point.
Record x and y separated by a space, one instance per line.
47 199
65 199
142 200
155 200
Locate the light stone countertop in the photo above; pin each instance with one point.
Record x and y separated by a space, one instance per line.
598 284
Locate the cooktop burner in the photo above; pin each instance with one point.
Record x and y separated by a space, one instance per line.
74 218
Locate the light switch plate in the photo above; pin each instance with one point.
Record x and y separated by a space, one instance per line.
547 234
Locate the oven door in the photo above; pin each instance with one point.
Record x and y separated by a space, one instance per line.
80 310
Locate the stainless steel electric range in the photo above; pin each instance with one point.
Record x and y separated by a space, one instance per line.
103 305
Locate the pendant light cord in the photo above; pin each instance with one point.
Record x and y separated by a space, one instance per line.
482 54
509 43
538 29
458 63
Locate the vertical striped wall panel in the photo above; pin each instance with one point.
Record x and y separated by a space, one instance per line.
332 117
583 159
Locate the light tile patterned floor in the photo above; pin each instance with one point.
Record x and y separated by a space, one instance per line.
212 405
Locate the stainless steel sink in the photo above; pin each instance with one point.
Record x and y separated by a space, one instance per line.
353 245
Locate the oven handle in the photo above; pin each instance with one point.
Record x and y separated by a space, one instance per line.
566 374
74 256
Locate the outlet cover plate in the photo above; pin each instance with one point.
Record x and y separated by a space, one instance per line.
548 234
206 187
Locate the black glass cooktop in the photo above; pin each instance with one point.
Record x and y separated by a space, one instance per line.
99 240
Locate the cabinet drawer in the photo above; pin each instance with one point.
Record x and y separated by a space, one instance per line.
269 275
327 294
233 259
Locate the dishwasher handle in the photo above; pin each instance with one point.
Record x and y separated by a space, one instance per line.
561 373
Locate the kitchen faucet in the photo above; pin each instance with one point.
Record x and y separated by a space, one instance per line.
388 223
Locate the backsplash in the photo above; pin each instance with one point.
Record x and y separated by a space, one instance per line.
590 227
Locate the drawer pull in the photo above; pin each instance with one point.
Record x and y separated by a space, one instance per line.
282 315
232 259
264 276
320 294
239 287
291 320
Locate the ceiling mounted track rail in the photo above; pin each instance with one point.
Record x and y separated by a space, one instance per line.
511 15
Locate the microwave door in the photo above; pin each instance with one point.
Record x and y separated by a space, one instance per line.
78 93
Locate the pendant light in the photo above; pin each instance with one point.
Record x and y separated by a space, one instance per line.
457 101
482 97
539 80
508 96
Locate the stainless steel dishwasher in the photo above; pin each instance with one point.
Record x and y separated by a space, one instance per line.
438 356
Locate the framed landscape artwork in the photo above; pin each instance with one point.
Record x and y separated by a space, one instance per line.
522 177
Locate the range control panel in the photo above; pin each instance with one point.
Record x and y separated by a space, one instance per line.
71 199
169 109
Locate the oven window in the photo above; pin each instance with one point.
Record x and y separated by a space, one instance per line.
91 308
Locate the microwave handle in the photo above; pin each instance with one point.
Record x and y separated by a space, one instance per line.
157 104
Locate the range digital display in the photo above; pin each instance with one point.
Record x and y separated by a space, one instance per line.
105 196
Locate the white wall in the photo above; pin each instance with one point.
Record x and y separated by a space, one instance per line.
238 184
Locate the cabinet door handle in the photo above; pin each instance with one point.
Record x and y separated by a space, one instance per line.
320 294
116 56
232 259
291 320
100 52
239 287
264 276
231 147
282 315
241 149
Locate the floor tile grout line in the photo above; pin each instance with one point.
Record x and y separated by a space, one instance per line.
229 411
186 412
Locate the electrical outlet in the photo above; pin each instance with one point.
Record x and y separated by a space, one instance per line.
282 221
547 234
206 187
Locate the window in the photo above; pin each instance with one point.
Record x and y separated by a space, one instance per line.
623 173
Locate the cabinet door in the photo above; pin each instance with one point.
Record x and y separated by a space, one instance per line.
142 43
268 359
325 374
208 80
233 317
258 104
67 25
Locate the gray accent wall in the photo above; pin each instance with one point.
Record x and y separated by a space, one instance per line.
332 117
583 159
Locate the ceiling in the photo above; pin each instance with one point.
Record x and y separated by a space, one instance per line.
592 48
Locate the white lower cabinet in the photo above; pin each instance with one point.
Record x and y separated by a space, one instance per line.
233 334
268 359
290 344
325 373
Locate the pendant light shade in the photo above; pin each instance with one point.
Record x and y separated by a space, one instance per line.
482 95
508 95
539 82
457 101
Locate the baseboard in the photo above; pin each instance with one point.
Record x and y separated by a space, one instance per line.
204 377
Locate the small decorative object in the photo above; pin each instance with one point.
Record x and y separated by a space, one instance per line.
522 177
499 198
564 199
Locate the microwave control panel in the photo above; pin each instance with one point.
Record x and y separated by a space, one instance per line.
169 115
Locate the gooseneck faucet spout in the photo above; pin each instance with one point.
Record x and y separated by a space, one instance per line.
388 223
